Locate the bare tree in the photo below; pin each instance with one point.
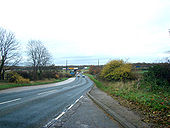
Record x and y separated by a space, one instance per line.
39 57
9 50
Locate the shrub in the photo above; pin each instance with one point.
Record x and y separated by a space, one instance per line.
93 70
16 78
61 75
26 74
49 74
57 76
157 78
68 75
117 70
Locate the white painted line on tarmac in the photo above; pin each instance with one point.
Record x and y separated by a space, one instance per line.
81 96
55 119
70 107
46 92
74 103
10 101
60 116
78 99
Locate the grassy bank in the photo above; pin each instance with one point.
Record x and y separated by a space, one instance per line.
6 85
154 105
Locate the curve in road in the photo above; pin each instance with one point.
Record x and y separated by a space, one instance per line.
34 108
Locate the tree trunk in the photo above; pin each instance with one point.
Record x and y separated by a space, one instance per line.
1 68
3 74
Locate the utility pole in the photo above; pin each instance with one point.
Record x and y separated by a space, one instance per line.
66 65
98 62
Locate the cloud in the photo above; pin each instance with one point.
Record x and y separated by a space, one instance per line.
113 28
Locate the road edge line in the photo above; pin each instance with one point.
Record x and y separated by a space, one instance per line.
50 123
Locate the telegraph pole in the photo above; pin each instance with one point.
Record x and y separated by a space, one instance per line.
98 62
66 65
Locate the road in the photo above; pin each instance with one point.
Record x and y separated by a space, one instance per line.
85 114
33 107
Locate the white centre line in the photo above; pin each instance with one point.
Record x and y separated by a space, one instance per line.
10 101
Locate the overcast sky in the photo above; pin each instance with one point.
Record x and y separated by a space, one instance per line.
83 31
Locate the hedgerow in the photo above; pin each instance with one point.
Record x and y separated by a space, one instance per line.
157 78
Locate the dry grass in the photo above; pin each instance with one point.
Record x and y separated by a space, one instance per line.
45 80
120 85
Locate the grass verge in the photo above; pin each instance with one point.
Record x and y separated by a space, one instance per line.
153 105
11 85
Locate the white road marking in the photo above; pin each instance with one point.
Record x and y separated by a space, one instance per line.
55 119
74 103
10 101
60 116
81 96
78 99
46 92
70 107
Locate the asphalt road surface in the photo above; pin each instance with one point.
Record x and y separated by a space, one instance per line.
85 114
34 107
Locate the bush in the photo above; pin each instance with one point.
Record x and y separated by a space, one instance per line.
157 78
26 74
117 70
49 74
16 78
61 75
57 76
93 70
68 75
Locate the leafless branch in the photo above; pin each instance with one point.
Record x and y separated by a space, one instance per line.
39 56
9 48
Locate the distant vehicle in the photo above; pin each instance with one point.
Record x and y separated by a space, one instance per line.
83 76
78 75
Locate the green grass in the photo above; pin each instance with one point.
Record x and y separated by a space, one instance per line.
5 85
98 83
